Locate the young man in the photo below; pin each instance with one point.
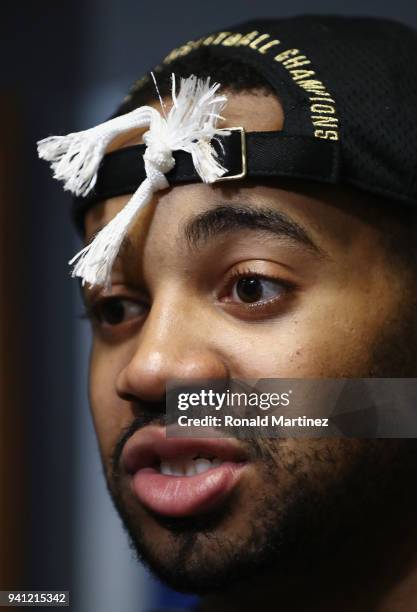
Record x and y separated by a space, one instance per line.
304 268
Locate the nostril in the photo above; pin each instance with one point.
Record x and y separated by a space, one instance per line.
145 412
128 397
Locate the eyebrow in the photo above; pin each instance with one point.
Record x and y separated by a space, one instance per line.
227 218
223 219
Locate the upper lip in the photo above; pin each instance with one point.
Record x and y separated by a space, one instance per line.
149 446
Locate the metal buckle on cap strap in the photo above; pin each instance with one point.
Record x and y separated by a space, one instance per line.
233 177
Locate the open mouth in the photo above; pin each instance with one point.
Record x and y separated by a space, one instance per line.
189 467
180 477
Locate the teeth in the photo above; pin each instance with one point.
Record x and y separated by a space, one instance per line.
189 467
165 468
177 468
202 465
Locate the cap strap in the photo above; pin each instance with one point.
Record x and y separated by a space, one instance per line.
268 155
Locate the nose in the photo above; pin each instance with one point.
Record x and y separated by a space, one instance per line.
175 342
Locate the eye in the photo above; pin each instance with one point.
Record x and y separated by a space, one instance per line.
115 311
258 292
252 289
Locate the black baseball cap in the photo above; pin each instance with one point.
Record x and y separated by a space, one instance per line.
348 87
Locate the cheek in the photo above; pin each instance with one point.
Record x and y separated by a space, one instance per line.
110 413
331 337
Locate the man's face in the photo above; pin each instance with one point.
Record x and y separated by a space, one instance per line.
245 281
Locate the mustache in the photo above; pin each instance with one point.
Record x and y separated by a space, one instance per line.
147 413
154 413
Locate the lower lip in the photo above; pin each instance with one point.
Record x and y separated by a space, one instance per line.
180 496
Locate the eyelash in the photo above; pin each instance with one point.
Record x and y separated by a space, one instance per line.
91 311
248 273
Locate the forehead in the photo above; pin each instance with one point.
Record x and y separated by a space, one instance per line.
160 236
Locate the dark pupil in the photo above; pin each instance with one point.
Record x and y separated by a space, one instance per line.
249 289
112 312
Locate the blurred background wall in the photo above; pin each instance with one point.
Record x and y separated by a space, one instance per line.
64 66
